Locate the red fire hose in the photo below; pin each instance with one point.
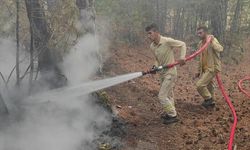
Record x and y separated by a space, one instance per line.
223 91
241 87
230 143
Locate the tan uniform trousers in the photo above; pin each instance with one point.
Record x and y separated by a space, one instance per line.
205 85
166 94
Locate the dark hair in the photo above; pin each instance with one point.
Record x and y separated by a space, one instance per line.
152 27
204 28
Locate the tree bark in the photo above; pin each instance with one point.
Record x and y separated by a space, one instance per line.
17 44
161 14
47 60
236 18
87 15
87 19
158 15
3 107
217 17
178 25
31 58
165 12
51 4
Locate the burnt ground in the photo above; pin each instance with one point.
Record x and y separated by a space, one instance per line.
198 129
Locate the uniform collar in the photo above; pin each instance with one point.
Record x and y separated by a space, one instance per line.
160 42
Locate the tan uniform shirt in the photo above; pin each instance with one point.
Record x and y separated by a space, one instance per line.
210 57
164 52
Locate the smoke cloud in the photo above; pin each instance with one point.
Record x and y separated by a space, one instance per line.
7 57
68 123
82 61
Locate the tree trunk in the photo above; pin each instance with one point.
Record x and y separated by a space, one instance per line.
165 12
3 107
178 26
31 58
176 22
236 18
161 7
87 19
47 61
158 21
17 44
51 4
217 20
224 18
87 15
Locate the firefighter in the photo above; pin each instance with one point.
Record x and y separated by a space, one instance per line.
164 49
209 66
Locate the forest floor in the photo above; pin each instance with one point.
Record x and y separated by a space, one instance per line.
136 102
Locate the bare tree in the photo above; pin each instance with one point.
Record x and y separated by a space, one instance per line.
236 18
31 58
3 107
17 44
87 19
87 15
40 33
218 17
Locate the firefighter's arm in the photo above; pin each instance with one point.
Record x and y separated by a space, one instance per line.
216 45
178 44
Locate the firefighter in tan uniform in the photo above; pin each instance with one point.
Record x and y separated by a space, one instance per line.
163 48
209 66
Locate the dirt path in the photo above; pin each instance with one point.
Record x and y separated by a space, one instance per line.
198 129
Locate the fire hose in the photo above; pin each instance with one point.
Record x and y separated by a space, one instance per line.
241 87
220 84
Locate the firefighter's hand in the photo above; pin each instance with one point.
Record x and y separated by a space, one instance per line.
153 68
212 38
182 62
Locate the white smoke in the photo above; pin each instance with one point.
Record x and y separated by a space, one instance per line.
70 124
82 61
7 57
8 61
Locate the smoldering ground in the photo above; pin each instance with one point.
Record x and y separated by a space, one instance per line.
67 124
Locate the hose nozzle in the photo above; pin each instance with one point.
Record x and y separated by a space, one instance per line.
153 70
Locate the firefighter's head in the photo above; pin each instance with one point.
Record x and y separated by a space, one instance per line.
152 32
202 32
